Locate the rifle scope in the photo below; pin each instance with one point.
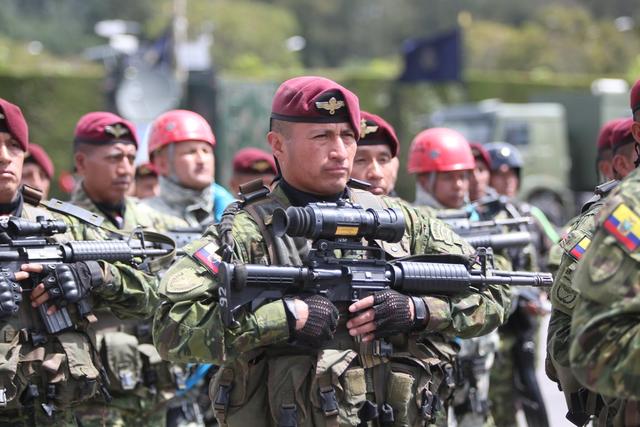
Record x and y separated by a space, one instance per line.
20 227
344 220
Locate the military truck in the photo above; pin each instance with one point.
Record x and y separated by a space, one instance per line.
556 133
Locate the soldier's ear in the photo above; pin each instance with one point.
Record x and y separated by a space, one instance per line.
276 141
635 131
80 161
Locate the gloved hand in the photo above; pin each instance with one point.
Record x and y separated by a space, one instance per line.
10 294
321 323
70 283
392 313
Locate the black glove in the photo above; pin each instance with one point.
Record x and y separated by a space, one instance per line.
70 283
321 323
392 313
10 294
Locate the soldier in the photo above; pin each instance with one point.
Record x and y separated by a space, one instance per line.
479 180
146 182
44 377
376 156
181 147
443 162
104 151
37 170
581 403
294 361
249 164
604 321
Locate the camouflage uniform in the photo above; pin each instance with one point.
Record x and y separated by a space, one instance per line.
67 364
194 207
563 299
603 353
263 377
140 382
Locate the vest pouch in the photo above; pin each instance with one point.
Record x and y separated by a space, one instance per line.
238 393
336 378
288 384
72 371
10 382
122 360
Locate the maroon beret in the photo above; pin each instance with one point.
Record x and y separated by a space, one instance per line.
146 169
312 99
253 160
621 134
479 152
101 127
37 155
604 136
375 130
13 122
634 99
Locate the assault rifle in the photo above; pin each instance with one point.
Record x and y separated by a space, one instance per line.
24 241
349 279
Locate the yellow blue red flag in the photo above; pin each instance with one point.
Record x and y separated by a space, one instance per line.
624 225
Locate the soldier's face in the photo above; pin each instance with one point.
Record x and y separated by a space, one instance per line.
479 180
107 171
315 157
451 188
505 181
11 161
34 175
376 165
192 164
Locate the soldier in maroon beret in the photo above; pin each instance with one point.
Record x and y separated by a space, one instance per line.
604 152
14 142
623 148
37 170
376 160
251 163
479 179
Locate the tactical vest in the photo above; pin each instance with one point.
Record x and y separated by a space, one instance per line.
398 381
43 372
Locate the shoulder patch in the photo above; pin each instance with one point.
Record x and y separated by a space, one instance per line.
624 224
206 255
578 249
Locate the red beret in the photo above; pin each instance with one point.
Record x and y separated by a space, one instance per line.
146 169
12 121
634 101
37 154
604 137
311 99
479 152
621 134
375 130
101 127
253 160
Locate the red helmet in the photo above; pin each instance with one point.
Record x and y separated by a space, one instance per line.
179 126
440 150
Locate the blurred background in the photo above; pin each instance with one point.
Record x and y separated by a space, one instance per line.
548 73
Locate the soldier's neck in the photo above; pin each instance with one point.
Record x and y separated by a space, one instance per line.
302 198
14 207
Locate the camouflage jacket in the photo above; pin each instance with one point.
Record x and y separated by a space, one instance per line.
188 326
68 360
136 214
605 345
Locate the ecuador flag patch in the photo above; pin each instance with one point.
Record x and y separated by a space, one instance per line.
624 225
206 257
578 250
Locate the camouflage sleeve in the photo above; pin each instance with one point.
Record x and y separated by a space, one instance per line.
188 326
467 314
127 292
605 328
